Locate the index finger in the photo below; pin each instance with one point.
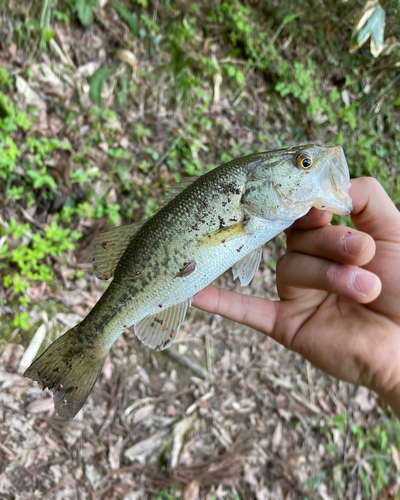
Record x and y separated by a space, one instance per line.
313 219
246 309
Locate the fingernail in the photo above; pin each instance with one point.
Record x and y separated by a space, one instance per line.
365 283
355 243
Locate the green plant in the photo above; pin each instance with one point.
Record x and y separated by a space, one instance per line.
28 258
5 79
167 494
234 72
97 82
184 40
129 18
10 121
84 9
373 464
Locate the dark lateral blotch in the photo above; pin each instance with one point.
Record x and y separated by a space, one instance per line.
187 269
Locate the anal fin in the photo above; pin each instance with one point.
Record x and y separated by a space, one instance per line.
159 330
247 267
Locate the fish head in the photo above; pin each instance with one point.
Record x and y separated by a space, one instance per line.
296 179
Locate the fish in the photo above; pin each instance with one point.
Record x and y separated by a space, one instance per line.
206 225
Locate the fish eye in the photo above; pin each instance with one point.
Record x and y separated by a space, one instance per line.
305 161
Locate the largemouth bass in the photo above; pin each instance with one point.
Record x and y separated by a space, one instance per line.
206 225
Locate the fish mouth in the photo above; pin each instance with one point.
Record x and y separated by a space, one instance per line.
335 184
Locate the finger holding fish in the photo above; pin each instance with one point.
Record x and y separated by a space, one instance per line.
312 220
298 273
337 243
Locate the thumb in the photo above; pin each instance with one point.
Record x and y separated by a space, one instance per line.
373 211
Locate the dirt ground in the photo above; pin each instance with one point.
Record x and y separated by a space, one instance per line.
225 413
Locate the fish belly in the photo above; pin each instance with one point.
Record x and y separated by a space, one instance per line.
211 262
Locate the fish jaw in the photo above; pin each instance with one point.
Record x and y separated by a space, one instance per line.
335 184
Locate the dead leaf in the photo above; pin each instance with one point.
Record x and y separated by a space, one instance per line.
277 436
395 457
31 97
41 406
11 356
191 492
365 399
128 57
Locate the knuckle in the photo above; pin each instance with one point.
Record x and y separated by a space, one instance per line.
331 272
371 184
283 262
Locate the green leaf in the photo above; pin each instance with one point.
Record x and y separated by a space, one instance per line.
126 15
45 14
47 35
240 77
22 320
290 17
84 9
97 82
371 23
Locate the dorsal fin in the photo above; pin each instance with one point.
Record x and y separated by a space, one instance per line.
109 247
177 188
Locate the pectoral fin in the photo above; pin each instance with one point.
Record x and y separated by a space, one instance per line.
223 235
247 267
109 247
159 330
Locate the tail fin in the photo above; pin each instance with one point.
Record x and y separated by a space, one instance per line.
69 367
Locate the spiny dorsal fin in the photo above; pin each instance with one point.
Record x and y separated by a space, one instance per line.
109 247
247 267
177 188
159 330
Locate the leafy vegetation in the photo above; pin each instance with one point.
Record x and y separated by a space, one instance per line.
375 449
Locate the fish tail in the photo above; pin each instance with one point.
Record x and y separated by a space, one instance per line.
70 367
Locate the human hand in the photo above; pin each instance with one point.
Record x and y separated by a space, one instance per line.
339 291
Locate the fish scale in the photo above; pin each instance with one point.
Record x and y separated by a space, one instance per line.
206 226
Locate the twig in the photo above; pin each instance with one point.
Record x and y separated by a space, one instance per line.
208 354
197 403
29 218
364 461
303 401
310 381
390 490
184 360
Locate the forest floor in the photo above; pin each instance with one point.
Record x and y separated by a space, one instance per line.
101 110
